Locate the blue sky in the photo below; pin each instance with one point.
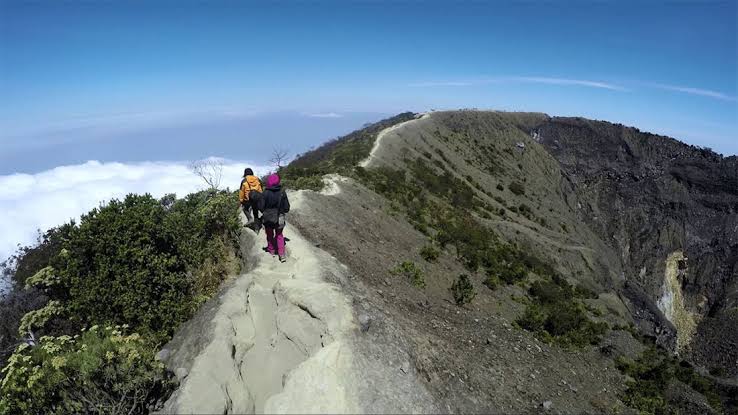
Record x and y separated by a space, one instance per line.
134 81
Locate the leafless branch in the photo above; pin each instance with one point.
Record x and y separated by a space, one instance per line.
209 170
279 157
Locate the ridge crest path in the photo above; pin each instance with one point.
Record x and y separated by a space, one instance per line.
282 338
277 324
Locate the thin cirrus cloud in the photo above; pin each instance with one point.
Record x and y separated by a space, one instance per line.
325 115
579 83
572 82
694 91
523 79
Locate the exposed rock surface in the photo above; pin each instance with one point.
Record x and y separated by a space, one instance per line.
650 196
281 338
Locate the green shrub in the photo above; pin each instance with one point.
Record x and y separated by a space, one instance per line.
551 293
564 319
430 253
533 318
525 210
28 260
139 262
143 262
100 371
557 312
463 290
13 307
123 267
306 182
412 272
36 319
652 373
517 188
512 273
492 281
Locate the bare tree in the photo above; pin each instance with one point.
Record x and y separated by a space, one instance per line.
279 157
209 170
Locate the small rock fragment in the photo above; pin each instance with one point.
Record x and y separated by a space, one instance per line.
547 405
181 373
405 368
364 322
163 355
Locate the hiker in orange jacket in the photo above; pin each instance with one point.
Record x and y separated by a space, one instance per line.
248 195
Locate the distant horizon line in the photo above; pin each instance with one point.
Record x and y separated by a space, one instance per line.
336 114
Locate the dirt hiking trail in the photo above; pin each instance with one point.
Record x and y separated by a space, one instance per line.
280 338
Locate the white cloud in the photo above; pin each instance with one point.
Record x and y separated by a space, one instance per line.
574 82
524 79
40 201
694 91
325 115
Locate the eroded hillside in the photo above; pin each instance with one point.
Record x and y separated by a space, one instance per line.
575 238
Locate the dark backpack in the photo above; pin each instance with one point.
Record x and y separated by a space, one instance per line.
255 198
271 216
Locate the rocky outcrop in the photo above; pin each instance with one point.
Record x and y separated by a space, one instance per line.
650 196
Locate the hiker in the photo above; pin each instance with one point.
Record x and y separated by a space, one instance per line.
249 194
274 205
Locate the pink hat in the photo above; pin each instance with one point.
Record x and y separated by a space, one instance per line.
272 180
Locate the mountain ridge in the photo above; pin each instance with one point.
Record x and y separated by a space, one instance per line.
632 214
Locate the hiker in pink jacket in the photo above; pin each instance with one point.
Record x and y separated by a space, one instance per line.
274 206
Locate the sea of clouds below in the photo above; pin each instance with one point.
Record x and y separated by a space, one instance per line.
33 202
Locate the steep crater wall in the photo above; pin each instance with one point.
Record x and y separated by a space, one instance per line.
648 197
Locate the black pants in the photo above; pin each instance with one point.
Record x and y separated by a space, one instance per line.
252 206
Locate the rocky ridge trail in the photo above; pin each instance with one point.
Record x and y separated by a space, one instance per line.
270 321
281 338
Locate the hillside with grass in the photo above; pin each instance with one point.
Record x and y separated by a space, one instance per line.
595 239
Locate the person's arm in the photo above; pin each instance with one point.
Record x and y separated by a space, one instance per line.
285 203
241 193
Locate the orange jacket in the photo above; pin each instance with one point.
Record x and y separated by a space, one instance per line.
248 184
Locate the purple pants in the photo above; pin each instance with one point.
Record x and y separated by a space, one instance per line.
273 240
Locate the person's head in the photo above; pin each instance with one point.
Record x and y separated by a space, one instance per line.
272 180
248 172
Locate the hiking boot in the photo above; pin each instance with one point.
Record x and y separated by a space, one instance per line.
282 259
257 226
